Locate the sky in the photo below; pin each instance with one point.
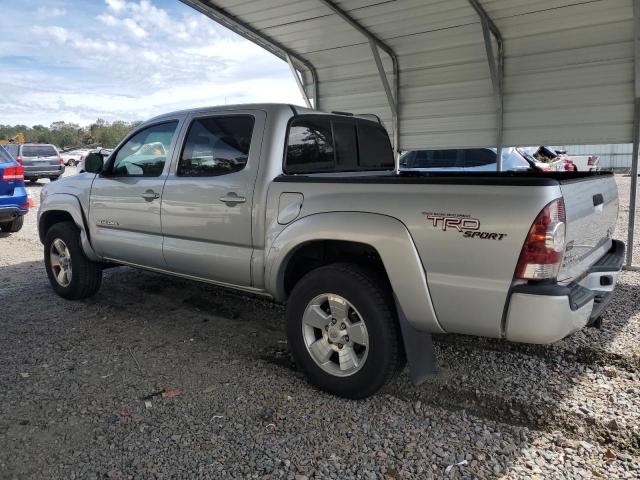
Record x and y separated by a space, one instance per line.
79 60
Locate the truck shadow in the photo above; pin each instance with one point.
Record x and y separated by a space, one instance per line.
507 390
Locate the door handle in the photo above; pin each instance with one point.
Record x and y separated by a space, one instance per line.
232 199
150 195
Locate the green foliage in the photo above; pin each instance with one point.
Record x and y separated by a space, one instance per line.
70 135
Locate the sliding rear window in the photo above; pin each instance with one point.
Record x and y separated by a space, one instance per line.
320 144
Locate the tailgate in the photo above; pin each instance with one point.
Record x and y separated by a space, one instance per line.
591 205
41 162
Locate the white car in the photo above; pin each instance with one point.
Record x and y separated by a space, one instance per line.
73 157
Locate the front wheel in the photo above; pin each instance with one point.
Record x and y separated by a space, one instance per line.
71 274
13 226
342 330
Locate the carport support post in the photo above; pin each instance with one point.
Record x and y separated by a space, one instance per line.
296 76
496 69
636 135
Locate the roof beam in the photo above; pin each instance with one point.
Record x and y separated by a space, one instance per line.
496 69
636 135
375 43
229 21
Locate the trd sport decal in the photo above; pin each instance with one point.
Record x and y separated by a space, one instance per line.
464 224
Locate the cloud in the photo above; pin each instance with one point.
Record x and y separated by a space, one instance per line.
108 20
51 12
116 5
134 28
131 60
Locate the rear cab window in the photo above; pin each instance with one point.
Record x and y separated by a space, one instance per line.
39 151
328 143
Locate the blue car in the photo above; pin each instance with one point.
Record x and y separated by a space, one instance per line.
14 200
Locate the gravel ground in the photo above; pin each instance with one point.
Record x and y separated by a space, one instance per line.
81 385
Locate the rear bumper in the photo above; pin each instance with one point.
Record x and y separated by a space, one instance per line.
548 312
7 214
43 172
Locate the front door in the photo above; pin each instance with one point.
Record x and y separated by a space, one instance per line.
207 202
124 211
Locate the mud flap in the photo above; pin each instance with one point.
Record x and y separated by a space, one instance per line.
418 346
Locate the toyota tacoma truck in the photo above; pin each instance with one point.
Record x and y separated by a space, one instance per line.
308 208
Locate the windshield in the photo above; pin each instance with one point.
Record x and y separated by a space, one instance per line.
39 151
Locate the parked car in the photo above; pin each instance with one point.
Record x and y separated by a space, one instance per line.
40 160
104 153
582 163
71 158
468 160
14 201
306 207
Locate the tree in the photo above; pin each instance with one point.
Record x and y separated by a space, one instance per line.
70 135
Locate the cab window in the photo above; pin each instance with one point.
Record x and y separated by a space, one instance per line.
145 154
216 146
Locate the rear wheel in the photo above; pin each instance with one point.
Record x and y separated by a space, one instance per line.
342 330
14 226
53 179
71 274
33 180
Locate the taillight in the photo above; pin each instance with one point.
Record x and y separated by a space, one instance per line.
568 166
542 251
19 159
61 160
13 173
590 161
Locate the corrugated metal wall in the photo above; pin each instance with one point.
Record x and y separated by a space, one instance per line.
612 156
568 65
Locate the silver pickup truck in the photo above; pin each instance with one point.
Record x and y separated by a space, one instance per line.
307 208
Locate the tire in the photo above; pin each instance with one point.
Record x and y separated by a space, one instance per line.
367 301
53 179
33 180
85 275
13 226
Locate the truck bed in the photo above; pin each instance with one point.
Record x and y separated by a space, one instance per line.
469 276
462 178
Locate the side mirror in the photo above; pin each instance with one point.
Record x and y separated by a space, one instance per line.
93 163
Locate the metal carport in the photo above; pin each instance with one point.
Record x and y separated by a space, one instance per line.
461 73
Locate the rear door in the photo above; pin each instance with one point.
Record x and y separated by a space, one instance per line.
124 211
208 198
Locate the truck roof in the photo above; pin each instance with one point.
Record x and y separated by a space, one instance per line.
267 107
241 106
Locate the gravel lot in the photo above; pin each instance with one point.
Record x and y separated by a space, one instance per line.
74 377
